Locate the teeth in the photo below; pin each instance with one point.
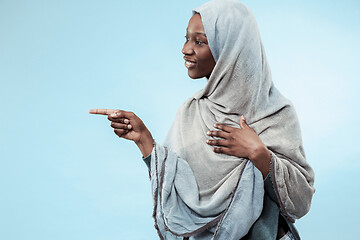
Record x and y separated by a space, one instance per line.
188 64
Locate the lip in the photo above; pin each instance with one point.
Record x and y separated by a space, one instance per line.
189 63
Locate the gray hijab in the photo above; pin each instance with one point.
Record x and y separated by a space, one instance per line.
196 190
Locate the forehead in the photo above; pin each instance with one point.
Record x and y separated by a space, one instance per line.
195 25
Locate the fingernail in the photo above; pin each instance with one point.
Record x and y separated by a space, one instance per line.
207 141
113 115
215 125
208 133
126 121
129 126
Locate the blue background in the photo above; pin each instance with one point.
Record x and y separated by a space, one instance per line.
65 175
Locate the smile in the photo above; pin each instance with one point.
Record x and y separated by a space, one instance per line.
189 64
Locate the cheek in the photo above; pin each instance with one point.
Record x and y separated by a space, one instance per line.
211 59
204 55
208 61
205 64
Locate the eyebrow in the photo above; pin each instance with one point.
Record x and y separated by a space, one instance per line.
198 33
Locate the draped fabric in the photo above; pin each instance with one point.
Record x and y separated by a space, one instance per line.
196 189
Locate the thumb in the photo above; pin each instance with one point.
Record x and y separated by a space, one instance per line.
243 123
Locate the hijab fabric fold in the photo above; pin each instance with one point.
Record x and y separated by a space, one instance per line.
204 195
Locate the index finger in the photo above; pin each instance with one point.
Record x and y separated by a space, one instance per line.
102 111
223 127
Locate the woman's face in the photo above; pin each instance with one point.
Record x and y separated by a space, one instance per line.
198 58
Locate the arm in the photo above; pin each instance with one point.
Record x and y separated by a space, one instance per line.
241 142
129 126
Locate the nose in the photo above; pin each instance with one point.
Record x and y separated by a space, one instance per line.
187 49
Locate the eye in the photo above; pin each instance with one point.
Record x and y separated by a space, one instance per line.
197 42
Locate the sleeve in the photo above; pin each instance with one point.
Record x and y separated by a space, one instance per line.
270 192
291 175
269 189
147 161
293 184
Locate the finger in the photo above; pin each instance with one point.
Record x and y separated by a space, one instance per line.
102 111
223 150
120 125
117 114
243 123
123 114
217 142
120 132
119 120
220 134
223 127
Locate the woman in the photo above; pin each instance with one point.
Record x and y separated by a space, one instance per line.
218 176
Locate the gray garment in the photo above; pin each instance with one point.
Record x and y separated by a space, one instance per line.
189 200
176 194
240 84
266 226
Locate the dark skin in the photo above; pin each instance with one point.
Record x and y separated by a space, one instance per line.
197 55
129 126
240 142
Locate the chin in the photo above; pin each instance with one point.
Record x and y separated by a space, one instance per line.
195 76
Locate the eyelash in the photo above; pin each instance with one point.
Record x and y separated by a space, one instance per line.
196 41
